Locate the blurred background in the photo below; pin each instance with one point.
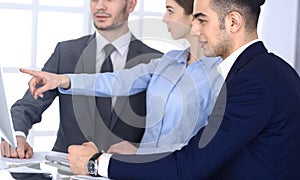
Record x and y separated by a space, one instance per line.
30 29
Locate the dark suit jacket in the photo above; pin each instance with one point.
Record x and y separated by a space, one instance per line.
79 118
253 132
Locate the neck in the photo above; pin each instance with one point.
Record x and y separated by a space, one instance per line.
239 41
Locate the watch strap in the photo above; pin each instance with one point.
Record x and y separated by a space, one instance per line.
95 156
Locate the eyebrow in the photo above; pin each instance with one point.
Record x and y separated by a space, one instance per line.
169 7
199 15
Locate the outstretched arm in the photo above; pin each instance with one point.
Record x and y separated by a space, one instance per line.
48 81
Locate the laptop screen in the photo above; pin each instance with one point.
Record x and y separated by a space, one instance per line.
6 127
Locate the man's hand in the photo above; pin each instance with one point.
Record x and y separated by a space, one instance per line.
48 81
24 150
79 156
123 147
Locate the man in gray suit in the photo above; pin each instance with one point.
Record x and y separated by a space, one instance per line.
80 120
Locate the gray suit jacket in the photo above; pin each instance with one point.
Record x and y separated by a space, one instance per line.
79 118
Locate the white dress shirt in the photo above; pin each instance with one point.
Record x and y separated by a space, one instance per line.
118 57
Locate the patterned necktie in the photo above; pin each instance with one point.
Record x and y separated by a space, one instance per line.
104 104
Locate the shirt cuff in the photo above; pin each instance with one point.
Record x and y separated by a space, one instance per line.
20 133
103 164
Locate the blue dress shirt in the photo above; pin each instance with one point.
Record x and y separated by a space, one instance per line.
179 97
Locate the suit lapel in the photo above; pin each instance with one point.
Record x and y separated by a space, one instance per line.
86 64
245 57
87 60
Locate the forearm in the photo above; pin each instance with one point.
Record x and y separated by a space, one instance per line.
27 111
64 81
157 166
121 83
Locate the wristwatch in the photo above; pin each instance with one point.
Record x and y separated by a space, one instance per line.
92 165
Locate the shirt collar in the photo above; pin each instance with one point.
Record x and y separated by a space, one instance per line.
121 44
225 66
183 56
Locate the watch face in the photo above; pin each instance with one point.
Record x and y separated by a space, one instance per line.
91 167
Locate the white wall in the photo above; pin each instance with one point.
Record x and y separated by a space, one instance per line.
278 28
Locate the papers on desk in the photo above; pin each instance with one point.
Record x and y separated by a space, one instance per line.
3 165
38 157
21 167
6 175
24 169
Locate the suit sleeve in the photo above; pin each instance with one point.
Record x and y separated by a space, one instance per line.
28 111
242 110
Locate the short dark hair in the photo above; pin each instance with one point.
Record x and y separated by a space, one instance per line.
249 10
187 5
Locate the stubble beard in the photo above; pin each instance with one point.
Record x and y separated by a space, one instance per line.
224 44
109 28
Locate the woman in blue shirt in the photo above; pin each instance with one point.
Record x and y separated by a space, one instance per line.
181 88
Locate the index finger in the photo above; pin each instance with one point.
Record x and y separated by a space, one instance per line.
30 72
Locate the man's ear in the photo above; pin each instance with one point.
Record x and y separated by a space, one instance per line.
234 21
131 5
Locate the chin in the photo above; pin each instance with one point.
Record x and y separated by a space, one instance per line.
175 37
208 53
102 27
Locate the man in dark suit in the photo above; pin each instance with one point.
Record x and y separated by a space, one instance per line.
254 129
79 117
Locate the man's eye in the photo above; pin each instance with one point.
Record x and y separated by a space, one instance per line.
201 21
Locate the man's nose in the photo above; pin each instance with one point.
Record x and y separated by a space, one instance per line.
100 5
195 28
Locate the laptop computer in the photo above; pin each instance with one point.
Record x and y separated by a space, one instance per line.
6 127
7 131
